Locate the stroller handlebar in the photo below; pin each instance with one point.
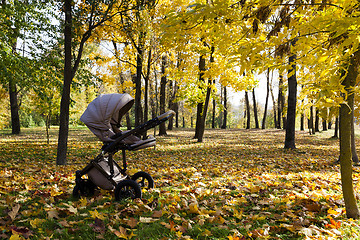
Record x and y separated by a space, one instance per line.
168 114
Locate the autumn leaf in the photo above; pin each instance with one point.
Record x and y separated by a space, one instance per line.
194 208
98 226
14 211
53 214
95 214
121 233
157 214
132 222
35 223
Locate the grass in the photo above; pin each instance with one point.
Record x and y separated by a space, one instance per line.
237 184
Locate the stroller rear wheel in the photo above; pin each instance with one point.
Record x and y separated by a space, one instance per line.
127 189
143 179
84 187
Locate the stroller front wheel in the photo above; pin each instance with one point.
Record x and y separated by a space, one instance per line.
127 189
143 179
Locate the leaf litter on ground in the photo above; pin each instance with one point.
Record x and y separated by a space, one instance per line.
238 184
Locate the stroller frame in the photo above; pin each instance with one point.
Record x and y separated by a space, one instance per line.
87 187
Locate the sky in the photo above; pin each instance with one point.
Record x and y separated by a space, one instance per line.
260 92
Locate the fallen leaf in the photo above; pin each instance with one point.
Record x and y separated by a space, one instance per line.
132 222
14 211
157 214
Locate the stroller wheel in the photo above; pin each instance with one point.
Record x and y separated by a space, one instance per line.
84 187
143 179
127 189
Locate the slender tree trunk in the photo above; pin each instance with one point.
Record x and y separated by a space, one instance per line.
139 65
274 105
176 106
14 107
146 93
302 122
128 121
336 130
65 97
162 127
171 104
291 111
224 125
280 103
324 125
200 105
213 113
13 94
255 109
311 121
248 120
317 121
267 99
346 109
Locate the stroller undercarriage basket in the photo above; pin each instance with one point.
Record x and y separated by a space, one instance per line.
103 171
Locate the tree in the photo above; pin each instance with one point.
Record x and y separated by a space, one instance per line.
281 104
22 23
88 18
267 98
207 100
346 109
223 126
291 110
255 109
248 117
162 127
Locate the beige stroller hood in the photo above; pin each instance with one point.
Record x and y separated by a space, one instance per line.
105 112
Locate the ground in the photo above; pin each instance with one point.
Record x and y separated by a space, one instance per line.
238 184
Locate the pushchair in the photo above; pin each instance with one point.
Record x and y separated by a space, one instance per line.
102 117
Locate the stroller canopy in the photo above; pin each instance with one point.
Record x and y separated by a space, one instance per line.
104 114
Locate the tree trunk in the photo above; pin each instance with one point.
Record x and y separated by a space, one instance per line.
213 114
346 109
291 111
311 121
14 107
172 104
274 105
248 120
336 129
354 157
139 63
146 93
281 103
128 121
207 100
203 117
13 94
162 127
65 97
199 110
267 99
255 109
224 125
317 121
